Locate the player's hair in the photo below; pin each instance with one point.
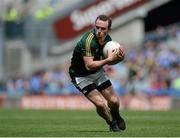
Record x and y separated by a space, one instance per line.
105 18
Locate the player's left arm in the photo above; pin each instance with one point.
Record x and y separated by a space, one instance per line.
121 54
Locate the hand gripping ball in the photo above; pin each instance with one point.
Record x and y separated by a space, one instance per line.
110 47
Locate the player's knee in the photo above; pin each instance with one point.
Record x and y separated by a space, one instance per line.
114 101
100 104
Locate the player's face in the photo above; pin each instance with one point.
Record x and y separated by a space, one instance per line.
101 28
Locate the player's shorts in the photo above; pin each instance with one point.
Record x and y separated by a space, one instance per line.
88 83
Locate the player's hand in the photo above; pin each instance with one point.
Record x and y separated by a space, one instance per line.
113 55
121 54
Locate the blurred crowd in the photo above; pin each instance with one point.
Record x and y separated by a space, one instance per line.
150 69
154 67
53 81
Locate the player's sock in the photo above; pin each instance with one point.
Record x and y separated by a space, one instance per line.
120 121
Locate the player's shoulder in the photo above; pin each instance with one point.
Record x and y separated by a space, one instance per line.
88 36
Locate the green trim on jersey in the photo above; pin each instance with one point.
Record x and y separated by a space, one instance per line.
87 46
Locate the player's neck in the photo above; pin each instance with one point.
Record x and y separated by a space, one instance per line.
101 41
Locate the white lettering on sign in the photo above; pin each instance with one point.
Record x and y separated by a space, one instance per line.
81 19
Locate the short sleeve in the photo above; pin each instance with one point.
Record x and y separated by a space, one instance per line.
88 45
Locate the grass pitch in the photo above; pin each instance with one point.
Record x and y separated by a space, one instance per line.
77 123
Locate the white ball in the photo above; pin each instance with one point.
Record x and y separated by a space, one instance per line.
110 47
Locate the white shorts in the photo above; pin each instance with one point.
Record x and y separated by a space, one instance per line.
97 78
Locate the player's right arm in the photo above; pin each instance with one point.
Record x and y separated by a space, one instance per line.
91 65
89 52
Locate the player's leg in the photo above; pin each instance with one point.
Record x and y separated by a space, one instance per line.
105 87
98 100
101 107
88 88
113 103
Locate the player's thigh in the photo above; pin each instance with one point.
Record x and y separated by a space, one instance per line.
96 98
109 94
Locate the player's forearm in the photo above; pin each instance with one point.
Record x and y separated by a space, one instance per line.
97 64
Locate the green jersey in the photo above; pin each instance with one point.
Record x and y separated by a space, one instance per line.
87 46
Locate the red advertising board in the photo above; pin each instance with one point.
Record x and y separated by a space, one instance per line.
80 20
2 99
55 102
80 102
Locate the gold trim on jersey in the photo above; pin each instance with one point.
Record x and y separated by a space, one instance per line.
88 42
